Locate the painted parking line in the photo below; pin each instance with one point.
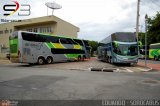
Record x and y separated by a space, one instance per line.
144 69
128 70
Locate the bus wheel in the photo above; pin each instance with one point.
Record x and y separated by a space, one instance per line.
84 57
79 58
109 59
41 60
155 58
49 60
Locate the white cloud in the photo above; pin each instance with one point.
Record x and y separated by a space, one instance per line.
96 18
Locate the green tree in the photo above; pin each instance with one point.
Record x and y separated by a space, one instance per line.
94 46
154 29
141 37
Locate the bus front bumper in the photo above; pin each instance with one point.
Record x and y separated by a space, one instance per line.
126 60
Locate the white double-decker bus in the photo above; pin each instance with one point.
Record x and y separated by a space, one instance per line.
120 47
29 47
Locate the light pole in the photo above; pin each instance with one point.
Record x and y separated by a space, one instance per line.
137 20
146 22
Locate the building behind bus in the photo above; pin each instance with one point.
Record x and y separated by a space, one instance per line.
48 24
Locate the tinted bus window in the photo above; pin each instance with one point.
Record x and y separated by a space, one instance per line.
74 42
79 42
155 46
70 41
124 37
86 43
40 38
29 37
52 39
34 37
66 41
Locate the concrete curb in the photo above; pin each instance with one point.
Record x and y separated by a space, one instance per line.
147 70
79 69
150 69
103 69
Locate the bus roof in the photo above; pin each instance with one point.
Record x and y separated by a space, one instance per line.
52 35
155 44
119 35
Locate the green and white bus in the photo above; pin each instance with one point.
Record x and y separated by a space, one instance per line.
119 47
29 47
154 51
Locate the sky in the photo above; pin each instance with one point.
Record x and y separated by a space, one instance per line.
96 18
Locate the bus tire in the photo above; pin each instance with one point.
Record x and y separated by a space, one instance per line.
155 58
49 60
109 60
41 60
83 58
79 58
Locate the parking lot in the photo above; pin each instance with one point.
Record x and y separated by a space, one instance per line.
86 65
96 65
75 80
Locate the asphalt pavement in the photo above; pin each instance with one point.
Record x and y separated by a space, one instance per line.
23 82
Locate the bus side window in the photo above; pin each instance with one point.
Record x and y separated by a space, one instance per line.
40 38
79 42
52 39
74 42
65 41
86 43
70 41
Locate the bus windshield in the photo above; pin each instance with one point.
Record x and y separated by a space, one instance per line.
124 37
126 50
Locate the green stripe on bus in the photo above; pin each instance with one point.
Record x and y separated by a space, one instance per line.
14 41
71 55
49 45
154 52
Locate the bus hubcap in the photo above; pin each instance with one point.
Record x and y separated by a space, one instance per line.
49 60
40 61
